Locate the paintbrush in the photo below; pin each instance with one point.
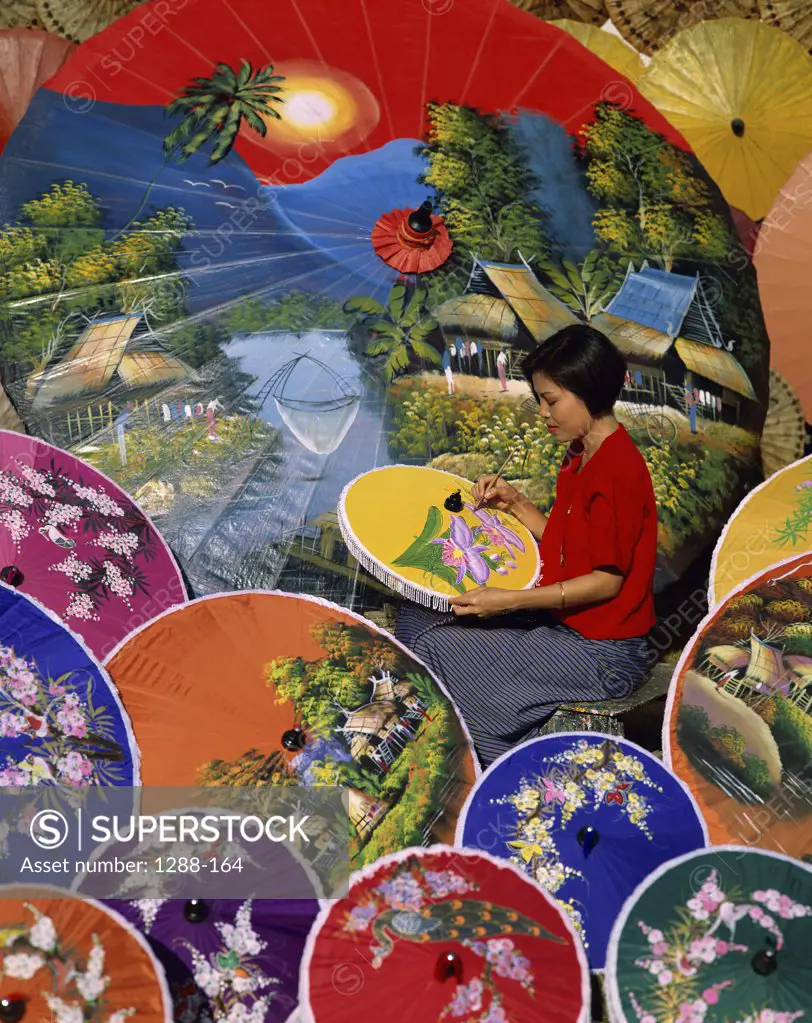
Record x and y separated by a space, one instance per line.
493 482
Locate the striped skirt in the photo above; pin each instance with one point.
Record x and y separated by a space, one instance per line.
509 673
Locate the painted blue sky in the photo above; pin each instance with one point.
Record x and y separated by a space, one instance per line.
249 239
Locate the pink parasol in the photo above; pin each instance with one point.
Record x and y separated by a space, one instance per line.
73 539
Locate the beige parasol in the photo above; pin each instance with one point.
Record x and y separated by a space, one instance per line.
784 433
649 24
791 16
19 14
80 21
592 11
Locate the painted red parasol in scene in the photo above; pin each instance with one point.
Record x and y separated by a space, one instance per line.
412 241
444 934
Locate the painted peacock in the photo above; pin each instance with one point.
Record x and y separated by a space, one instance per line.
454 920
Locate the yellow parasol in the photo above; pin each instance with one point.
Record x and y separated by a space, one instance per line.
773 522
784 434
592 11
609 47
421 533
792 16
649 24
741 94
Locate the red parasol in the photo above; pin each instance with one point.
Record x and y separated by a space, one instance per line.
412 241
444 934
232 162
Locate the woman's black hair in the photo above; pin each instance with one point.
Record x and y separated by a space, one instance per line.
582 360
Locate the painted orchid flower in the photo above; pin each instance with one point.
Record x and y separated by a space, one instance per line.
460 552
496 531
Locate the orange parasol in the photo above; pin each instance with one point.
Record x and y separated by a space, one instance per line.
738 728
783 257
67 959
305 693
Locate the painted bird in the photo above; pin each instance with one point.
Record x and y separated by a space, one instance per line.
456 920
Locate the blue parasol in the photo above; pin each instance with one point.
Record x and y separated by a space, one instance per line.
587 816
61 720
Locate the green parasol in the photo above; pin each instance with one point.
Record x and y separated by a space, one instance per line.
716 935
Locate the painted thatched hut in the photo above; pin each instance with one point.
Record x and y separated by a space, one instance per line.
504 305
665 325
108 357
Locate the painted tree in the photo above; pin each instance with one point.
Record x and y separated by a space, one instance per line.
294 311
655 204
482 181
362 652
251 769
57 255
214 109
399 329
586 286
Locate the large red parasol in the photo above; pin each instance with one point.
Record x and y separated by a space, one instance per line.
444 934
243 169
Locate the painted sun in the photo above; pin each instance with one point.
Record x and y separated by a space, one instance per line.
322 107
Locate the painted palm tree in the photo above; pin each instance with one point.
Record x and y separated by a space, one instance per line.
215 108
399 328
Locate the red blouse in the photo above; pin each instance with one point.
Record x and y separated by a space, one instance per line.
604 516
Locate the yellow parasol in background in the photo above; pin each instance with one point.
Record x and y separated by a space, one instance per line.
649 24
593 11
740 92
792 16
609 47
773 522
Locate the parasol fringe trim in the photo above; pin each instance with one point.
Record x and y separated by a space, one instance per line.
382 572
376 568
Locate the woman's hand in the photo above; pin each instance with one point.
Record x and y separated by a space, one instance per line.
501 495
482 602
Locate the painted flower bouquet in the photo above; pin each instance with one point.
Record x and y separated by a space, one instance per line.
67 739
683 961
587 776
72 989
464 552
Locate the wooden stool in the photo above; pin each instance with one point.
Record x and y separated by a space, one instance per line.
605 716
